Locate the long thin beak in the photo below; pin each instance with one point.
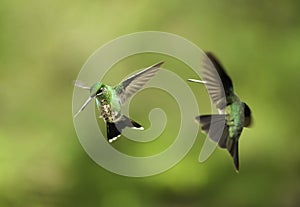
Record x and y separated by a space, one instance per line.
79 84
197 81
84 105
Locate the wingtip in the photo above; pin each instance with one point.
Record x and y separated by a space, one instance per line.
208 53
211 57
81 85
159 64
197 119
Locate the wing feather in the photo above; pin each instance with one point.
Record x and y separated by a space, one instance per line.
131 85
218 83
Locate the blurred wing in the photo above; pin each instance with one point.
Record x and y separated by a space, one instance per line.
216 128
79 84
134 83
83 106
217 82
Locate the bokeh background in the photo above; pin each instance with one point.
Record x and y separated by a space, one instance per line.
43 45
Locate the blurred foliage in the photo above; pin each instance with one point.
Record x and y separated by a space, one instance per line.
45 43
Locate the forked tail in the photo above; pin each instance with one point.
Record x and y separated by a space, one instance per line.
114 129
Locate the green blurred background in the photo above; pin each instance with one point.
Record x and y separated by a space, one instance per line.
43 47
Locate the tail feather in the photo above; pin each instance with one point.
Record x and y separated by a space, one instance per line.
233 149
218 131
114 129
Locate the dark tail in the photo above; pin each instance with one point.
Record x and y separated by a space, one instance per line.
215 127
233 149
218 131
114 129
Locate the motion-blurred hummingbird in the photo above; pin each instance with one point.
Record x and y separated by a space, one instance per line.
233 115
110 99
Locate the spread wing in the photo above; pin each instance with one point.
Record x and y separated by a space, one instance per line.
218 83
134 83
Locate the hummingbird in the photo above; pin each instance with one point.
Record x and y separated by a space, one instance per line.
233 115
110 99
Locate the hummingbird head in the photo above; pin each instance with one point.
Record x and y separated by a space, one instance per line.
97 89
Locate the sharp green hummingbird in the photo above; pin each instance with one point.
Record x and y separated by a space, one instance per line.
234 114
110 99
